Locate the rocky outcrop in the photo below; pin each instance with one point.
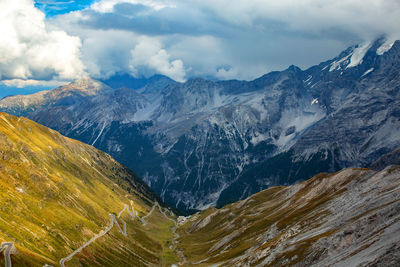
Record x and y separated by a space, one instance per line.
349 218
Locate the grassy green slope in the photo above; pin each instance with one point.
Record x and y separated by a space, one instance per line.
56 193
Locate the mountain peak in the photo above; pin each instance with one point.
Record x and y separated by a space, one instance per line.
85 85
293 68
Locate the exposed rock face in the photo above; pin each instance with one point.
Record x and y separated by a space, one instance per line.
391 158
204 143
349 218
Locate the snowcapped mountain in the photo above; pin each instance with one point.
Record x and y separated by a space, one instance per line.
359 92
204 143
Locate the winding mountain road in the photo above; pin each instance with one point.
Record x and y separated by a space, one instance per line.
113 221
8 248
102 233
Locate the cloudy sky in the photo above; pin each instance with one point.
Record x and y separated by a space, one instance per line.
47 42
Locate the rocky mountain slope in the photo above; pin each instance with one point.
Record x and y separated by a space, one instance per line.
204 143
348 218
391 158
57 193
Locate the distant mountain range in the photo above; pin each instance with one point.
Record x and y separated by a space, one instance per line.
203 143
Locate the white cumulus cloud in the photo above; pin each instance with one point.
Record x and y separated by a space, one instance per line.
108 5
148 53
19 83
29 50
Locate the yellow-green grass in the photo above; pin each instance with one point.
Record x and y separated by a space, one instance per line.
57 193
160 229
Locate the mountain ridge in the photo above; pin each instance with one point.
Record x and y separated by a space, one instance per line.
348 218
204 143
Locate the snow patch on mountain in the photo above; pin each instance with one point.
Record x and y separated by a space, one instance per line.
367 72
358 54
386 46
308 80
338 65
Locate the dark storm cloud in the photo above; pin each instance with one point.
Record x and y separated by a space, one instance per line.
141 19
225 39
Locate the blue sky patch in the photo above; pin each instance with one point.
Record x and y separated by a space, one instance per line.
57 7
26 90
